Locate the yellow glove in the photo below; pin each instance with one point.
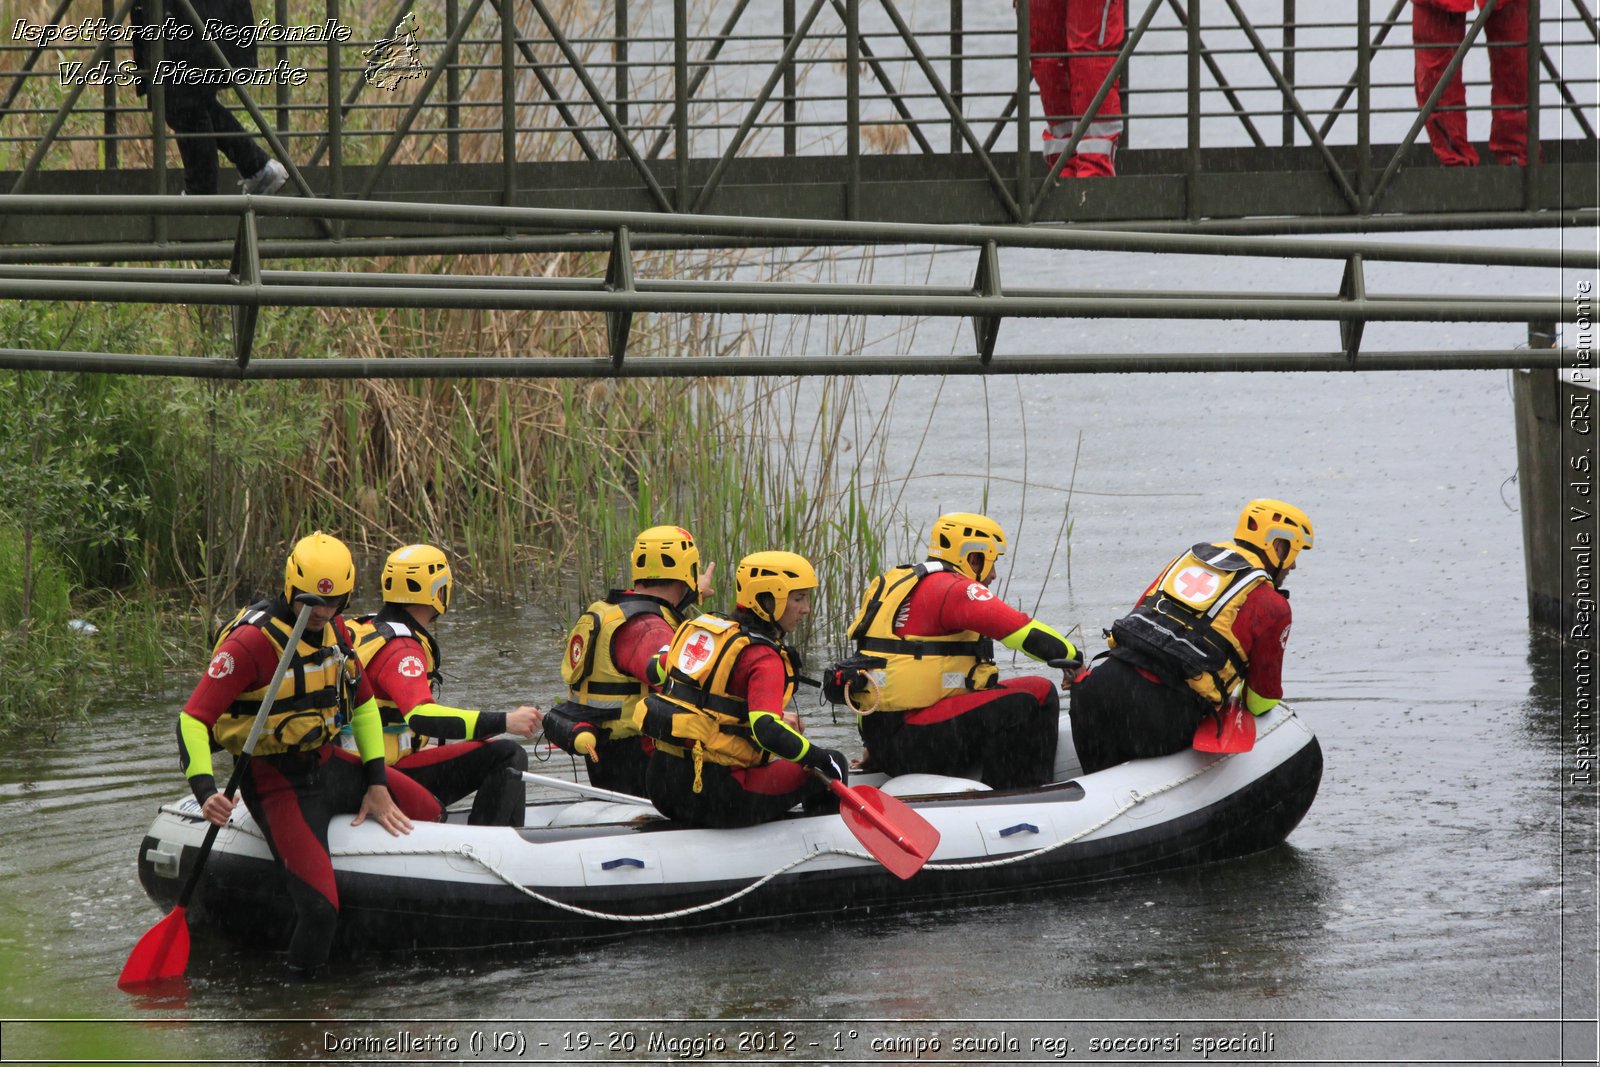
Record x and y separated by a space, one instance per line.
584 744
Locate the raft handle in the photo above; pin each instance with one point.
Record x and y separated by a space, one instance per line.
626 861
1017 829
165 864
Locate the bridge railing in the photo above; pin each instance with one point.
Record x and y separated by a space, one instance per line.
674 287
675 92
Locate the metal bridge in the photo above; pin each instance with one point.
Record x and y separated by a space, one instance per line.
522 126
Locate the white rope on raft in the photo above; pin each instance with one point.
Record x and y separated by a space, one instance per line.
467 852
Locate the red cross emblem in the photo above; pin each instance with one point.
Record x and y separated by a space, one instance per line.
575 651
1196 584
696 652
324 586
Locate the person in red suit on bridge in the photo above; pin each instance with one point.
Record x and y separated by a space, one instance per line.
1437 29
1074 45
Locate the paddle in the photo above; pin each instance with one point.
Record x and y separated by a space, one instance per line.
585 790
1233 729
897 836
163 952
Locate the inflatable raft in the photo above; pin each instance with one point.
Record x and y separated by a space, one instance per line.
588 869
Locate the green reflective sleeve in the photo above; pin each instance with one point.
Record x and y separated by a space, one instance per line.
449 724
1257 704
194 746
1040 641
367 726
777 736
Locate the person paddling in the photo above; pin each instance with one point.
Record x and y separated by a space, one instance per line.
724 754
1207 635
298 778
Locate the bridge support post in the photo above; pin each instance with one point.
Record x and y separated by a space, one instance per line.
1555 467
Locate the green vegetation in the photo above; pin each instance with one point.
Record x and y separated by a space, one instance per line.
152 507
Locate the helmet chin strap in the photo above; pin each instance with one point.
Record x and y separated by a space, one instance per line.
972 570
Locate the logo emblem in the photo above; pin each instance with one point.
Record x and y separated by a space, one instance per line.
979 592
695 653
575 651
1195 583
411 667
221 665
395 59
1283 639
324 586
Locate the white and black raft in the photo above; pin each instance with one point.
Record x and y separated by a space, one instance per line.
583 870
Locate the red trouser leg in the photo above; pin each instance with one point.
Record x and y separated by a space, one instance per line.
1009 733
1094 36
491 769
413 800
292 798
1507 30
287 798
1436 35
1047 33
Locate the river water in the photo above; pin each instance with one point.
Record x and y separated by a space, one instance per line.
1437 903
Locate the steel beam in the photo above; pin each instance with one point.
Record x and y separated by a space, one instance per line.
772 366
799 231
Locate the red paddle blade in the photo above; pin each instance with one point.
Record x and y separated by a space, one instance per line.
897 836
1234 731
161 954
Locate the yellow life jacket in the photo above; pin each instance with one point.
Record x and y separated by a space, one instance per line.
370 633
695 714
305 713
1182 631
594 681
917 672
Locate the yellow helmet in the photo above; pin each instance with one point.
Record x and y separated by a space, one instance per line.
960 533
417 574
665 552
1264 522
776 573
319 565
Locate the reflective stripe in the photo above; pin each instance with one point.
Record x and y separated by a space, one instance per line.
1098 140
1242 586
